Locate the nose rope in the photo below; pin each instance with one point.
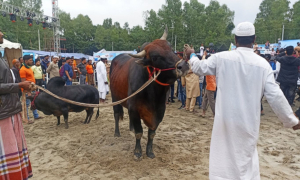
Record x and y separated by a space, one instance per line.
168 69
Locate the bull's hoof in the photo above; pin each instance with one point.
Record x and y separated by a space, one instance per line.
57 124
138 156
67 126
150 155
117 135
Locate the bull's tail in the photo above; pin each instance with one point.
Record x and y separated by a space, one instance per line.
98 113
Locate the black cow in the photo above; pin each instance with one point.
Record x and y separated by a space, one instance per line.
129 73
80 93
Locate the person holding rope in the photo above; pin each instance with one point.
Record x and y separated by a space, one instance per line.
233 149
26 74
15 163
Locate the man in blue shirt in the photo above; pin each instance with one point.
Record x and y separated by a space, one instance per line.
68 74
45 61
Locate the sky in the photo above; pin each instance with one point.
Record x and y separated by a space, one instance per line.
131 11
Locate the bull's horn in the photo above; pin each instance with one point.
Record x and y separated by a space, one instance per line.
141 54
165 35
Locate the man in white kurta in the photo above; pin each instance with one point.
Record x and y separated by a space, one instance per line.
102 79
243 78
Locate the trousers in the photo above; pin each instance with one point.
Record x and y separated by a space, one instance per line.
34 112
209 98
181 93
289 91
190 104
82 79
200 98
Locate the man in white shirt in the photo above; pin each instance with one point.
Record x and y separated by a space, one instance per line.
201 50
243 78
102 79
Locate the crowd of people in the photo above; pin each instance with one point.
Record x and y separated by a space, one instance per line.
24 69
195 90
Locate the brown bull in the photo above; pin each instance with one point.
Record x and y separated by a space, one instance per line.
129 73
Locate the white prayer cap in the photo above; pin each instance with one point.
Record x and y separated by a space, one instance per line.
55 57
103 57
245 29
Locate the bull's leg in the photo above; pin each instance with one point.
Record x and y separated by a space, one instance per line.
66 116
58 120
131 128
87 116
149 150
91 112
118 113
138 129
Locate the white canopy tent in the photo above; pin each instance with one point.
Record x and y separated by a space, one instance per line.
11 50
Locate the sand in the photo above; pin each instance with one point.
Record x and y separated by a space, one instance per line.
181 146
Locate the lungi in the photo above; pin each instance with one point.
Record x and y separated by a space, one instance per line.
14 158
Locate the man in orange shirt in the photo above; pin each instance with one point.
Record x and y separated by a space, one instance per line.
209 96
90 73
26 74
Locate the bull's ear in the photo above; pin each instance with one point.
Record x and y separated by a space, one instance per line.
143 62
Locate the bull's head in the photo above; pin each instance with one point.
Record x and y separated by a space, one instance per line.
159 54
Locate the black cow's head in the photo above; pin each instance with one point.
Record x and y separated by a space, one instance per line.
159 54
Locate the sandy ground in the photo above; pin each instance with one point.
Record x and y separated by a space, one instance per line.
181 146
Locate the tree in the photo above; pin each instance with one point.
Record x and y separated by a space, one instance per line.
190 22
295 21
273 14
107 23
194 23
153 25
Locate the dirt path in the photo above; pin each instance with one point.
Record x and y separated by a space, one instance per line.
181 146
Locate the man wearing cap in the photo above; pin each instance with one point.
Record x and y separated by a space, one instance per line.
288 74
243 78
102 79
53 69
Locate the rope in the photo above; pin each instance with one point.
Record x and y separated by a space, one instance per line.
100 105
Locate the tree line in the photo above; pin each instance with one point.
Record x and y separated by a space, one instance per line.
189 22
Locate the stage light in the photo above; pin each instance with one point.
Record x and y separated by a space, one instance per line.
29 21
13 17
46 18
54 19
33 14
17 10
22 18
44 25
4 14
28 13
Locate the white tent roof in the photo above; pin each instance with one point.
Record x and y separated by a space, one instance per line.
10 45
